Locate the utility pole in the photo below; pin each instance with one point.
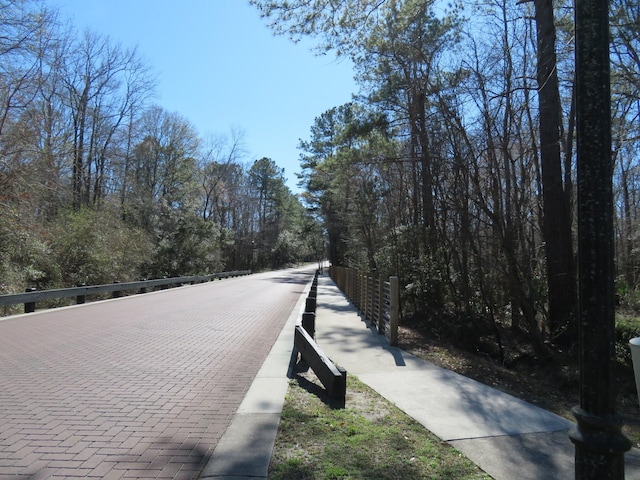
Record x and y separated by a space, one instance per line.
599 442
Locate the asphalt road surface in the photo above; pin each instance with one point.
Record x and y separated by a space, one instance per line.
137 387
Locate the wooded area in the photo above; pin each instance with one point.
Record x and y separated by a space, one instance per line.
98 184
454 167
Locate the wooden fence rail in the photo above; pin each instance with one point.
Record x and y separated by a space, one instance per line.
31 296
377 298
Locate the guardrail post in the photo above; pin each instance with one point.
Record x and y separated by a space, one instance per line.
143 289
80 299
310 305
309 323
309 315
117 293
313 291
395 310
30 307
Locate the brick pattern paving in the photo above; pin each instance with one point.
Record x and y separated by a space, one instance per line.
141 387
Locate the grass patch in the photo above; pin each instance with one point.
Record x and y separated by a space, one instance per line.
362 437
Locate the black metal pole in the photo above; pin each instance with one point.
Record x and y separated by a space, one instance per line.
599 442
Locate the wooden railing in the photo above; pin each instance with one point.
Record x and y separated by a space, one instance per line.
333 378
377 298
31 296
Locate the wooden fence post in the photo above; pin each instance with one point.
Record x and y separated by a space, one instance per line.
370 297
395 310
354 286
380 303
347 283
352 290
365 277
365 296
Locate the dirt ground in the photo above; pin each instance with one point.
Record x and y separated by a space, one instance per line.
552 385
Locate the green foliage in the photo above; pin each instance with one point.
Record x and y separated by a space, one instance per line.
425 284
190 246
24 254
96 247
629 298
627 320
98 185
287 250
627 327
424 276
342 185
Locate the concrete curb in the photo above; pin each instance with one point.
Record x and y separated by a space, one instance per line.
245 449
505 436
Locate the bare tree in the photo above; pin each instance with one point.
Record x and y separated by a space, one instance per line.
103 83
221 155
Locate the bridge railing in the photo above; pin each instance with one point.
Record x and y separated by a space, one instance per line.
377 298
31 296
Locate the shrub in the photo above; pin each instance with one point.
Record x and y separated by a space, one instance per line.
97 247
25 255
627 327
188 245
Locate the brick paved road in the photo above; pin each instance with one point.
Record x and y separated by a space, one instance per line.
139 387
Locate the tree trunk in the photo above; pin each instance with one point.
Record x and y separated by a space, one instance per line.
562 293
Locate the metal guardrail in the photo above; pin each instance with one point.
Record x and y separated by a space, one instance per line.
30 297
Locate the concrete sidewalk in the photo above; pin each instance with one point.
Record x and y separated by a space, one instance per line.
505 436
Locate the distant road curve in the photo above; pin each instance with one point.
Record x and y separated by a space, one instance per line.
142 386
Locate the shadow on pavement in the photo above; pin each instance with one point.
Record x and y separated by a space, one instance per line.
165 458
294 276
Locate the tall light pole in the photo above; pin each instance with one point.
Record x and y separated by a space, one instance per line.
599 442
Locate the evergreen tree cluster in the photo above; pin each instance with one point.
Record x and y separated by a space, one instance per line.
454 166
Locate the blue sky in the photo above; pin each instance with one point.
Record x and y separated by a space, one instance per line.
221 67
